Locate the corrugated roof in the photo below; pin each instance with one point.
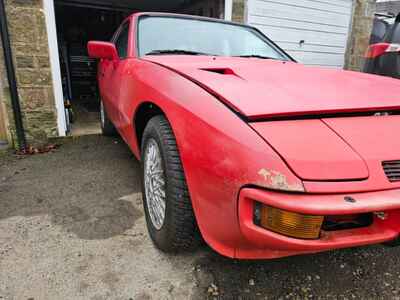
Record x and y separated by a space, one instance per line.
388 7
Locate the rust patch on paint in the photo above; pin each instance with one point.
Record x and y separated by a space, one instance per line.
277 181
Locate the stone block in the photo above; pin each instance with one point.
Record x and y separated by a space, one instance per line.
24 3
25 49
25 61
3 121
40 125
50 97
43 62
34 77
41 27
22 26
33 98
238 11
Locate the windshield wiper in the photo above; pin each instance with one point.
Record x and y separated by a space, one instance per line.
176 51
255 56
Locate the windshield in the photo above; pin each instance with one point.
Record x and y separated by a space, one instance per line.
172 35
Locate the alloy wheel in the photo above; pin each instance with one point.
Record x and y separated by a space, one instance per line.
154 184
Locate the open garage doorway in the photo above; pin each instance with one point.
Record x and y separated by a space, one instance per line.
77 23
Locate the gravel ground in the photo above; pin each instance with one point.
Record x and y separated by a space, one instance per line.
72 227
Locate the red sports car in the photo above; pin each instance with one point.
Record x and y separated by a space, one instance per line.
260 156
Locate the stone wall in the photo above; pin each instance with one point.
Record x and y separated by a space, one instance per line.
362 22
5 134
27 27
239 11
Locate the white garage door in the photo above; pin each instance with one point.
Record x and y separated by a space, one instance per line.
314 32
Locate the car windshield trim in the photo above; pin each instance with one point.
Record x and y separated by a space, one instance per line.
254 56
177 52
254 30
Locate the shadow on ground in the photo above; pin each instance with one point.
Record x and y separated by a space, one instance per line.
81 186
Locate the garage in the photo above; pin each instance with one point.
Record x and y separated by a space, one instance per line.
78 22
313 32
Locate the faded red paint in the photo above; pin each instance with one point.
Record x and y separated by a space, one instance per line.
300 89
321 160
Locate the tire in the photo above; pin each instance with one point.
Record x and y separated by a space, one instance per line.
107 128
394 243
178 230
71 115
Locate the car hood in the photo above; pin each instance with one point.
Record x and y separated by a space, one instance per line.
321 148
330 149
260 88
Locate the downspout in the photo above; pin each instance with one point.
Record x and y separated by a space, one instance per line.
12 81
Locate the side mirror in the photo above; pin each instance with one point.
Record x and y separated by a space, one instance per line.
103 50
397 20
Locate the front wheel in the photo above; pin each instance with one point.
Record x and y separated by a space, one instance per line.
169 214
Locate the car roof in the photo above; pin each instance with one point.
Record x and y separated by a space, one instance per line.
184 16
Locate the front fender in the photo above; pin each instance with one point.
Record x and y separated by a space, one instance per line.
220 152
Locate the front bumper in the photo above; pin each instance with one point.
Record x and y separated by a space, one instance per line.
263 243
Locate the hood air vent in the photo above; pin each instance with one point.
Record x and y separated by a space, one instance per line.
392 170
222 71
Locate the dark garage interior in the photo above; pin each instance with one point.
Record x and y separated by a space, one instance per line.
81 21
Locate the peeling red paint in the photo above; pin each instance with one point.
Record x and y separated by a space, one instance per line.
278 181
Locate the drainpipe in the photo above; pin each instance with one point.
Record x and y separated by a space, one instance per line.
12 81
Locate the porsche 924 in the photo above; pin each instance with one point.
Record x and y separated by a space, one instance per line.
240 145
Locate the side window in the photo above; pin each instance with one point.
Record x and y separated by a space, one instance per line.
121 42
378 31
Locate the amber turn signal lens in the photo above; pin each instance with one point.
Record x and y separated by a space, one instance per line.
290 223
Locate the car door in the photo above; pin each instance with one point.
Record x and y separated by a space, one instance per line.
111 73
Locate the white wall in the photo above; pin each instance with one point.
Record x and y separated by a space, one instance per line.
313 32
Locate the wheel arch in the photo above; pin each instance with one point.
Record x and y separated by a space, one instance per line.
142 116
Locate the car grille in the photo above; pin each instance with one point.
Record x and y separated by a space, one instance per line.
392 170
